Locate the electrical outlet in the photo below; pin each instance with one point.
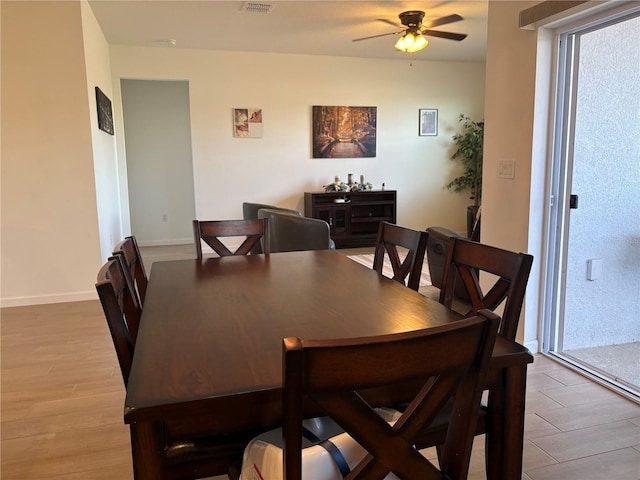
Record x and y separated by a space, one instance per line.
594 269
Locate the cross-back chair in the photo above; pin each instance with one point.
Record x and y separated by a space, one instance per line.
134 268
254 230
406 271
337 377
207 454
466 260
121 310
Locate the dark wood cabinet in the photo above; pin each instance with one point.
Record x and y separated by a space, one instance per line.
353 217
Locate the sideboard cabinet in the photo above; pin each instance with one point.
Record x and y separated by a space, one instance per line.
353 217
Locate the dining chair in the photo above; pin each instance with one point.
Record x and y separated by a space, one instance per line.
250 210
338 378
406 270
135 272
186 458
254 230
121 310
289 232
507 275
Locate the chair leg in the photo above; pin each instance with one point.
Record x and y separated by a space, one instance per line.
234 471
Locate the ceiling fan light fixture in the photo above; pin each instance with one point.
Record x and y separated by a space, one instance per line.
400 44
419 43
411 42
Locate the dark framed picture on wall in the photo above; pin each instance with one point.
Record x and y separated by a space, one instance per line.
428 122
344 132
105 114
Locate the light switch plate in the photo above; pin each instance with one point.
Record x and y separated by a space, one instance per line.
507 169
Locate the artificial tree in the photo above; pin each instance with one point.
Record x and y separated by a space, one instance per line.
469 146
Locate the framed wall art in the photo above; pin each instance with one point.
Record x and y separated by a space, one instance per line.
105 114
428 122
247 122
344 132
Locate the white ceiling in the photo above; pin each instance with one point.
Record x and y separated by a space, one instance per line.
296 27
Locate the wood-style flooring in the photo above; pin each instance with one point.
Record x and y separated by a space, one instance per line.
62 408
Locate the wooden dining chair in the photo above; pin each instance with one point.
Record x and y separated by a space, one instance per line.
134 267
254 230
208 454
407 270
121 310
339 377
509 274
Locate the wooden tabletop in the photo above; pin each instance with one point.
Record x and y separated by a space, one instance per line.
211 331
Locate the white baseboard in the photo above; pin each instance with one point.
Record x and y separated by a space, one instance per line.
533 346
43 299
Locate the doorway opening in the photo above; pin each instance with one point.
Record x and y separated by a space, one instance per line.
157 129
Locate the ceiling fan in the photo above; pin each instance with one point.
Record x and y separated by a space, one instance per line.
413 30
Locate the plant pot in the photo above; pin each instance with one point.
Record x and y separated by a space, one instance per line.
473 233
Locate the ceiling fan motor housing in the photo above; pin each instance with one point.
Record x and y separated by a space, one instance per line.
412 18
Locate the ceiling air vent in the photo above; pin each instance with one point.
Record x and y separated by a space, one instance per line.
257 7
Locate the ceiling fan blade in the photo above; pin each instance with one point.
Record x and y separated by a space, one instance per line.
448 35
376 36
394 24
442 21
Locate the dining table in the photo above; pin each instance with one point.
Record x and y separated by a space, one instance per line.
208 355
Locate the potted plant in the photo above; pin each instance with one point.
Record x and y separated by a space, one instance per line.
469 146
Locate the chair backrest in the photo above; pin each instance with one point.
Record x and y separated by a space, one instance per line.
121 310
437 246
390 237
289 232
337 376
253 230
250 210
134 268
466 260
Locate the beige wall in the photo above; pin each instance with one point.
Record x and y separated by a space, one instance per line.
278 167
51 146
50 245
509 117
98 71
47 158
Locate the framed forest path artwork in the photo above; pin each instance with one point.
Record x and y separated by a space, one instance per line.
344 132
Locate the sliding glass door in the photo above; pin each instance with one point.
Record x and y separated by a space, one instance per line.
592 319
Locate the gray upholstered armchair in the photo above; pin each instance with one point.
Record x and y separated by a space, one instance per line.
290 232
250 210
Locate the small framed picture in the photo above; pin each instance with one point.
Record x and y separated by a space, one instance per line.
428 122
247 122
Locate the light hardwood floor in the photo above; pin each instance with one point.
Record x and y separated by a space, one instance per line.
62 406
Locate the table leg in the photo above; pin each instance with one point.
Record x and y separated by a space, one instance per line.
146 451
514 403
505 429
